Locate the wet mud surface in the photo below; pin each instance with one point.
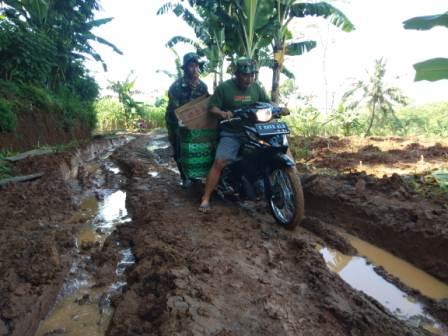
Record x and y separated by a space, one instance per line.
230 272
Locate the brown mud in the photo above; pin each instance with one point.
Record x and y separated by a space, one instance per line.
231 272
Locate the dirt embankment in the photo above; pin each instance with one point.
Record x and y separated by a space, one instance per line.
39 128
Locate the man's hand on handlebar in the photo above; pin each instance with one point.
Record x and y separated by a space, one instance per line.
284 111
226 115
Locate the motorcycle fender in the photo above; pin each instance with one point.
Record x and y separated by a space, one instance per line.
282 159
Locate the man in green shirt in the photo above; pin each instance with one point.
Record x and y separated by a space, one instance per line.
232 94
181 92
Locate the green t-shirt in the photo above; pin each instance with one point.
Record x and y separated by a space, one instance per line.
229 97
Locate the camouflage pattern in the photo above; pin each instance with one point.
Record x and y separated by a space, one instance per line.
180 93
245 65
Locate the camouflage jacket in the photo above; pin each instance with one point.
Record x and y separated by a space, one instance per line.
180 93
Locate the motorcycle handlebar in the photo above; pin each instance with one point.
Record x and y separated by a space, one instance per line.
229 120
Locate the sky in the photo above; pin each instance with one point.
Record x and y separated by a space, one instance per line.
324 73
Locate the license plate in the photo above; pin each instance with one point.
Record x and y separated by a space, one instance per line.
272 128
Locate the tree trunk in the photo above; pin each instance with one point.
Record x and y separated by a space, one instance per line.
371 121
215 81
276 75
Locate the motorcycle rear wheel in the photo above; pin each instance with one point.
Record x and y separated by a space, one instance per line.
285 197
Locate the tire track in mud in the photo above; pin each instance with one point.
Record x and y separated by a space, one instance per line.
231 272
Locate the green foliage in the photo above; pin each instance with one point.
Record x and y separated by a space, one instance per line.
74 108
430 184
26 55
5 170
29 98
8 118
154 116
112 116
426 120
432 70
441 177
125 91
301 152
381 100
346 120
305 121
43 45
436 68
37 96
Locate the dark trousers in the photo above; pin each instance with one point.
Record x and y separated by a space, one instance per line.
175 141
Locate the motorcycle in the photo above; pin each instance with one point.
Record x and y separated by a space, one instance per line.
263 168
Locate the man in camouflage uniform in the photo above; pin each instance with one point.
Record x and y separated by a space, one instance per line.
181 92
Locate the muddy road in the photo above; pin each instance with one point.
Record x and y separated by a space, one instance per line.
107 243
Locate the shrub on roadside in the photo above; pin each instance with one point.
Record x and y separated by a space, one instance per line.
8 119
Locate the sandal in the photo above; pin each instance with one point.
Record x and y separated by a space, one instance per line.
205 208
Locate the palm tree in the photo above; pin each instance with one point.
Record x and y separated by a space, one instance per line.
377 96
436 68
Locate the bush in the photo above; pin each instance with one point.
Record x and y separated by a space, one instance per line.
74 108
110 114
305 122
8 119
426 120
27 55
154 116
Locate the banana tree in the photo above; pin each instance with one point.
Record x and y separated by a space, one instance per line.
208 29
436 68
252 21
68 23
285 12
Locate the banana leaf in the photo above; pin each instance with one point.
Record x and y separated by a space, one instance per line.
426 22
325 10
432 69
299 48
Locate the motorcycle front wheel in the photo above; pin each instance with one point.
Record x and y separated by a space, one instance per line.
285 197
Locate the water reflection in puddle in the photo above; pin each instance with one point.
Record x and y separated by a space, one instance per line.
79 314
359 274
82 309
109 166
157 144
406 272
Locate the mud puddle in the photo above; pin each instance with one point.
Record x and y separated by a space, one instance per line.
359 272
157 146
83 306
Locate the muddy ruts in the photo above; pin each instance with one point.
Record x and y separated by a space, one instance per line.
35 238
405 224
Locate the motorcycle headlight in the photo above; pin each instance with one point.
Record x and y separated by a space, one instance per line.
264 115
